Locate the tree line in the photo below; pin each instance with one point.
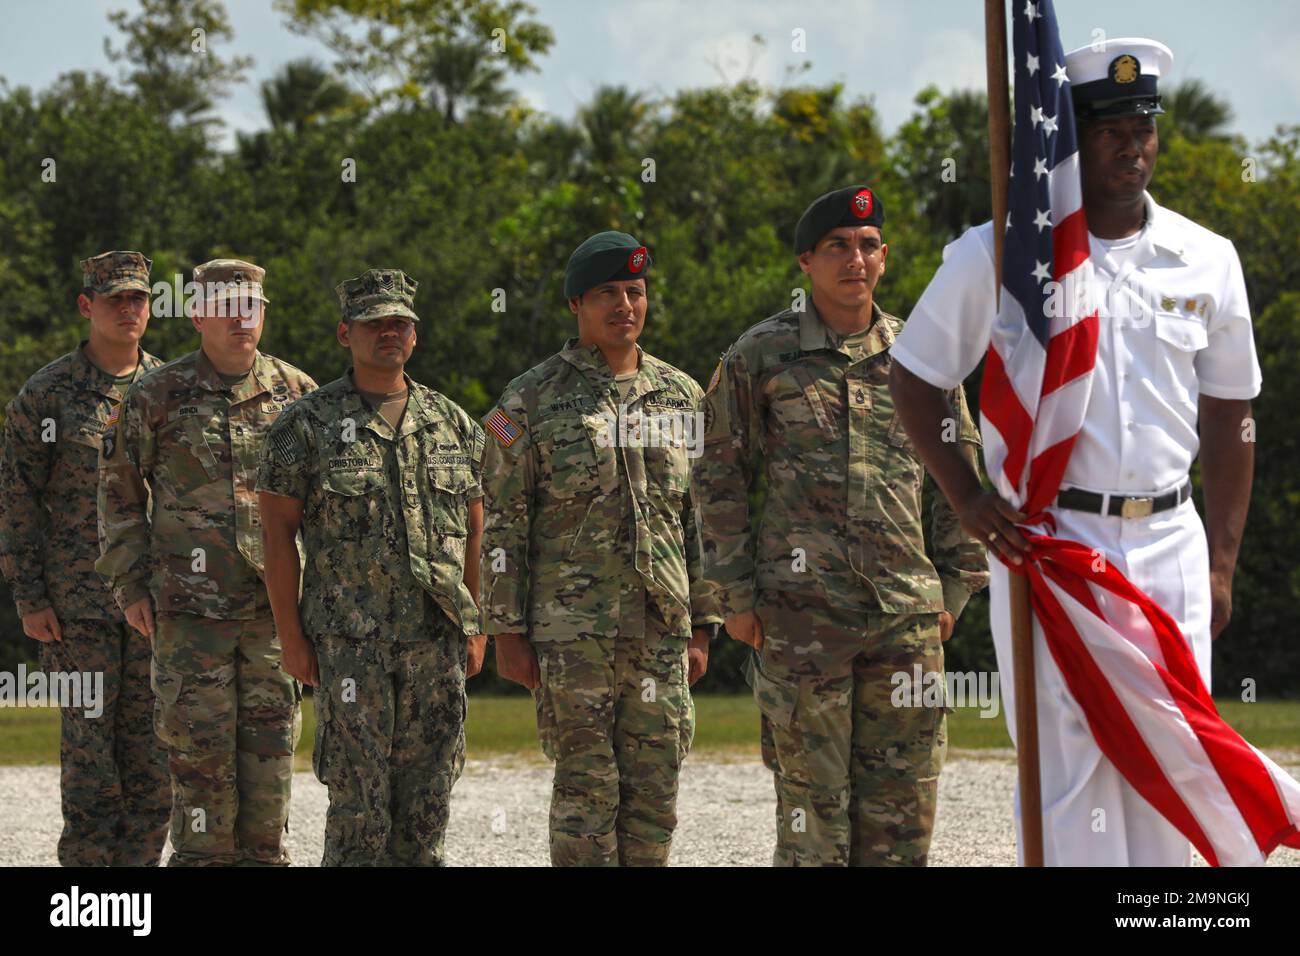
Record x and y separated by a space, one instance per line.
410 150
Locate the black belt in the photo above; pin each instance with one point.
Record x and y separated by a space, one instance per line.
1122 506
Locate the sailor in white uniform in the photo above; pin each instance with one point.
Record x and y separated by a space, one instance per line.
1175 372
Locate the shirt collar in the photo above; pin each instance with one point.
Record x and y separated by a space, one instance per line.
590 361
92 377
814 335
360 410
257 383
1163 231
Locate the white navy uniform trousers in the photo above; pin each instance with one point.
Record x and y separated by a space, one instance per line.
1174 325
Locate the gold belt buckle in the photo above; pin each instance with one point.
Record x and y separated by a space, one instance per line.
1137 507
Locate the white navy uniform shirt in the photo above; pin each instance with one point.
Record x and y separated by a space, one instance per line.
1176 325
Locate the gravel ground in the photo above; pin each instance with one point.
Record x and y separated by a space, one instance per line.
499 814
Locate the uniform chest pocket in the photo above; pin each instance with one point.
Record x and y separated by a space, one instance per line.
448 503
453 479
670 436
1180 333
353 500
189 445
349 482
82 430
1176 341
804 409
576 455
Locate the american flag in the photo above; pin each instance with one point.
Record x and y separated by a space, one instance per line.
1123 657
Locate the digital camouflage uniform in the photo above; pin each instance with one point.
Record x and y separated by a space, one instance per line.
226 710
115 792
385 524
839 577
591 550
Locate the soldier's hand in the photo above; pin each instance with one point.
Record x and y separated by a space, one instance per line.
697 655
946 624
298 658
992 520
140 616
517 661
746 628
477 650
42 625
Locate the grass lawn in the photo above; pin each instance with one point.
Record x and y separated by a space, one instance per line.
726 725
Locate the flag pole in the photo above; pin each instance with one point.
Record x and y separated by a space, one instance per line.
1022 633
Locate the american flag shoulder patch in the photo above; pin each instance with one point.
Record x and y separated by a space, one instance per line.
503 427
286 445
114 415
717 377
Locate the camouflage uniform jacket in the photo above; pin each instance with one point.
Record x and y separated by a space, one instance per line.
49 480
842 516
572 507
192 445
385 515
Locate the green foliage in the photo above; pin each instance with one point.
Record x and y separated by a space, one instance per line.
482 200
173 53
397 48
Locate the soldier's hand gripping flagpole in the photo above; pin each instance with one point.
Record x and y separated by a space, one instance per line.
1022 644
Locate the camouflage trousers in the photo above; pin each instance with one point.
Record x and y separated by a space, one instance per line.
856 777
616 716
113 770
230 718
390 745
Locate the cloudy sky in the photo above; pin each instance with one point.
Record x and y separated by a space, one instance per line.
1249 53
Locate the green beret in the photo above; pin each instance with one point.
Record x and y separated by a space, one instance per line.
850 206
602 258
378 294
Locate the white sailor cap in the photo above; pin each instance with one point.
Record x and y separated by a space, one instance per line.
1118 77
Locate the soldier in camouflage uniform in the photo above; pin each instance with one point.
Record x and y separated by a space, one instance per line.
836 591
116 796
593 560
181 535
382 475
